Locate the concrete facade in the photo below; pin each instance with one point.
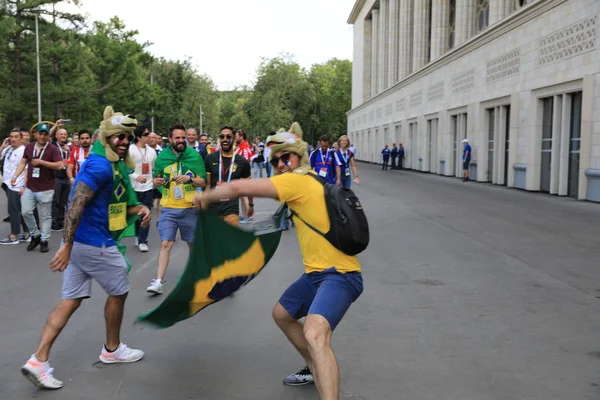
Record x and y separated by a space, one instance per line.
520 79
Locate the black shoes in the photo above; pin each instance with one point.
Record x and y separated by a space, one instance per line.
35 241
44 246
7 219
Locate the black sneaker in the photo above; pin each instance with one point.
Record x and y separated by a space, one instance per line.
44 246
35 241
7 219
302 377
56 228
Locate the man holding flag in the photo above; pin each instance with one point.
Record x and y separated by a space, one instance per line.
178 171
102 208
332 280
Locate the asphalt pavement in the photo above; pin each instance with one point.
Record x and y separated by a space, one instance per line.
472 292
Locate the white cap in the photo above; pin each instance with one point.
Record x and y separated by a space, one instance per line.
465 141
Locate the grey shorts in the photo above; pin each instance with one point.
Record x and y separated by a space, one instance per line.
103 264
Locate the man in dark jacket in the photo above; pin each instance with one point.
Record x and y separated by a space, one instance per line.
394 155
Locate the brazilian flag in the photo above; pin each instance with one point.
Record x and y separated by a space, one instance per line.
222 260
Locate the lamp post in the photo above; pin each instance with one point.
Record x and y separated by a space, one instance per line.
152 84
39 81
201 114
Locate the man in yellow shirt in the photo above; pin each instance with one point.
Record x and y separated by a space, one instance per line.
332 280
178 171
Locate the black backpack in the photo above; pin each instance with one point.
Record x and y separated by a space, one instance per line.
349 231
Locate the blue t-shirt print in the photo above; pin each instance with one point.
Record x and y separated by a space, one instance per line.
468 157
97 173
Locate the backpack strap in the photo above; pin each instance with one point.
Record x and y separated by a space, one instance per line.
294 213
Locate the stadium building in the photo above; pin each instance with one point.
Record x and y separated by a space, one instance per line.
520 79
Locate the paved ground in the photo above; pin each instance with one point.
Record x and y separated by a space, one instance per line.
472 292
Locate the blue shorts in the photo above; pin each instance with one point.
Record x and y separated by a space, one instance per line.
173 218
466 165
328 293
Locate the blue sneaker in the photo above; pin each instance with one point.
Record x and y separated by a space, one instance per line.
302 377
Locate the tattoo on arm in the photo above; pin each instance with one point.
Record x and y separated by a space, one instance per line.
81 196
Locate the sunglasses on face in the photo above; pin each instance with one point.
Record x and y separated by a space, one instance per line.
223 136
284 157
122 136
146 134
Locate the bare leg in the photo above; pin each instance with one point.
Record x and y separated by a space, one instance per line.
326 371
163 258
57 320
113 315
294 331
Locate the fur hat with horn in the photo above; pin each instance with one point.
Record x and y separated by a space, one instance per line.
113 124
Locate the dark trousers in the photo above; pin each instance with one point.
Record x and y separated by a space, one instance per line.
62 188
400 161
14 210
384 166
146 198
393 162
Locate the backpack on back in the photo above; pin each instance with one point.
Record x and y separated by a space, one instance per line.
349 229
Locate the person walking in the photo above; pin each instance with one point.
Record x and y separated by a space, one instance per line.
144 158
385 153
179 170
41 159
321 160
344 159
89 251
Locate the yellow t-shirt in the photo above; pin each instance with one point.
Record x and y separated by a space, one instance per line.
177 196
306 196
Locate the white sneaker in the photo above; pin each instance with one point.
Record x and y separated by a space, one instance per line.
143 247
122 354
156 287
40 374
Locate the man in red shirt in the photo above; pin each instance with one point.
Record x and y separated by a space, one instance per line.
41 159
245 150
79 154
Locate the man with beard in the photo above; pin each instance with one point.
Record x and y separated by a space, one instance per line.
41 159
178 171
102 204
79 154
223 167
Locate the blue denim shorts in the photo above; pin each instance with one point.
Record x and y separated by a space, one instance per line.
173 218
328 293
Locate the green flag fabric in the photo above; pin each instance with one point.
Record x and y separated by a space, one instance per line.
188 162
121 225
223 259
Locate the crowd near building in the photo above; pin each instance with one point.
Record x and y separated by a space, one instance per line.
519 79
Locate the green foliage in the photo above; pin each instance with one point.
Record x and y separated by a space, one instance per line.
85 67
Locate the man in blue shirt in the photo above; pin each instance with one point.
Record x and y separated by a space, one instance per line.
386 158
100 201
466 159
321 160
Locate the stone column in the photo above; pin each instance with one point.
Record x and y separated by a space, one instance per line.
439 29
393 43
465 21
421 35
405 30
498 10
374 52
367 58
382 44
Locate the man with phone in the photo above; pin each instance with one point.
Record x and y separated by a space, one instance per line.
41 159
179 170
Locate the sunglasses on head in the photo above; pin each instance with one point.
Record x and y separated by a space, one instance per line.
223 136
285 157
122 136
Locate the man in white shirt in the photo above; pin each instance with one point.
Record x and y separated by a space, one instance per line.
144 157
12 158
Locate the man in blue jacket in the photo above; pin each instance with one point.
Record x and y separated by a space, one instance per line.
321 161
386 158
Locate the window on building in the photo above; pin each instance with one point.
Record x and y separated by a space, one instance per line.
451 23
429 30
483 14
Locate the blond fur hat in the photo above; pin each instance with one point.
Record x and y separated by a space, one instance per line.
113 124
289 142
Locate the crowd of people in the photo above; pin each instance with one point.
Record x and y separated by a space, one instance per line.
89 185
